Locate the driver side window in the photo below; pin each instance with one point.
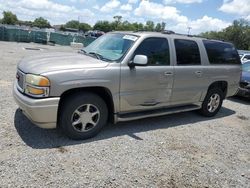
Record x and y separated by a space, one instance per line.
156 49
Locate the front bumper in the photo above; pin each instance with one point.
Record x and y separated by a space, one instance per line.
42 112
243 92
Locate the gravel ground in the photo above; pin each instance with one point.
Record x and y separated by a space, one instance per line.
180 150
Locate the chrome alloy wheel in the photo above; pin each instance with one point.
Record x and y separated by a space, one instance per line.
213 103
85 117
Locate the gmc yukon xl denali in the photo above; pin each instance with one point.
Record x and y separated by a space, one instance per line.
124 76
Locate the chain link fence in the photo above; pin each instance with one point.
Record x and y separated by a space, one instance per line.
25 34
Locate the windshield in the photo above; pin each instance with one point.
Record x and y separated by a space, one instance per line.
110 47
246 67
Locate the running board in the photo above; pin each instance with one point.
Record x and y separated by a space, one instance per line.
154 113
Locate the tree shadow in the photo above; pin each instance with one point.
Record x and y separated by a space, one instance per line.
38 138
239 99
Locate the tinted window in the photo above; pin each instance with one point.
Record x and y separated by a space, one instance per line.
156 49
221 52
187 52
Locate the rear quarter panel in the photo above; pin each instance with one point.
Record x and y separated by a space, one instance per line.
229 73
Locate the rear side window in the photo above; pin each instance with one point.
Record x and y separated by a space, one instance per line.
221 52
156 49
187 52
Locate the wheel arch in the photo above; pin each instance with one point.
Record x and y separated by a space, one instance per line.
102 92
223 85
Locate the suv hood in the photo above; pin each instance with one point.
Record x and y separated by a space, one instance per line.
57 62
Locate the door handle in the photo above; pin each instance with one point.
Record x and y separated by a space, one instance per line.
198 73
168 73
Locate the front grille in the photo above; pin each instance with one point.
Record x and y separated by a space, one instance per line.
243 84
20 79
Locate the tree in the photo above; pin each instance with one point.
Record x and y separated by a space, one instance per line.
62 28
72 24
84 27
41 23
9 18
158 27
76 25
118 21
163 26
138 26
105 26
149 26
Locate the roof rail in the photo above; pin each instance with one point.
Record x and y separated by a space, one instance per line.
140 30
168 32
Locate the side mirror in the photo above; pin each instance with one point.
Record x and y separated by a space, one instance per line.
139 60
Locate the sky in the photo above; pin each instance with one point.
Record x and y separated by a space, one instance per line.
199 15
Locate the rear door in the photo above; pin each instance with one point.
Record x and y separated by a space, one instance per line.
189 79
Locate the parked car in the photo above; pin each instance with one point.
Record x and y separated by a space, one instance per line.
124 76
94 34
244 55
244 89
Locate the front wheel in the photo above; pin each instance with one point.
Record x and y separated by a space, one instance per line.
83 115
212 102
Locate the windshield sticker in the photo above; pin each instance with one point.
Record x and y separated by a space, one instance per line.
130 37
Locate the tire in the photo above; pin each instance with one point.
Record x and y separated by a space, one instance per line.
83 115
210 109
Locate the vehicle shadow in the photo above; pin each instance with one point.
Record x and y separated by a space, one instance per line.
239 99
38 138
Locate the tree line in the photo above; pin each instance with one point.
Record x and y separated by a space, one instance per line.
237 33
106 26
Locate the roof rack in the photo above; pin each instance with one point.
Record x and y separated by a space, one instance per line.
140 30
168 32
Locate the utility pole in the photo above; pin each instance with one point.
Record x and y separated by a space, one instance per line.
189 29
78 23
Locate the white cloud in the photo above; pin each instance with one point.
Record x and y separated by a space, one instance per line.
76 1
56 13
239 7
110 5
182 1
203 24
126 7
132 1
97 7
159 11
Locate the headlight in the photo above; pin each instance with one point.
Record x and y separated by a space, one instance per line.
37 80
37 86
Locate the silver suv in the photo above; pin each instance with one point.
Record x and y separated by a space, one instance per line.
124 76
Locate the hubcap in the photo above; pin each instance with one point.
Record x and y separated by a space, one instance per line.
85 117
213 103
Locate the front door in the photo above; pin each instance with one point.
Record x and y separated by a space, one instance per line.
147 87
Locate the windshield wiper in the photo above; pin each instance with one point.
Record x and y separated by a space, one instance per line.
82 51
99 56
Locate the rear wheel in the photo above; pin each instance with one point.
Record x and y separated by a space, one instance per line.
83 115
212 102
